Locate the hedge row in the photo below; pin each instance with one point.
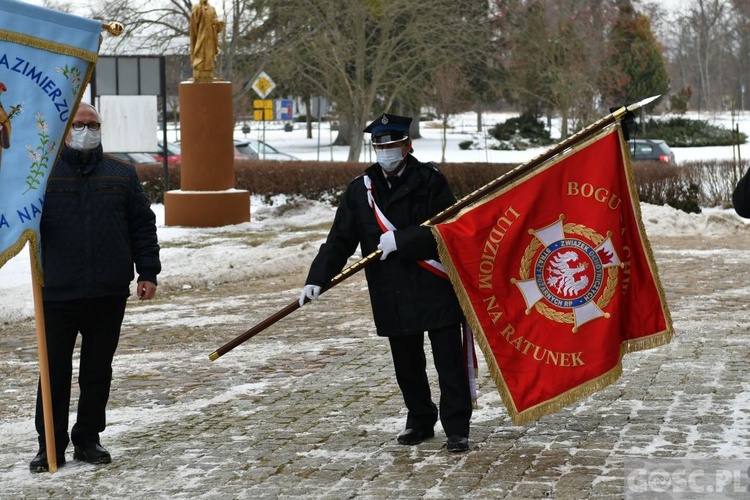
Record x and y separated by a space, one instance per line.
312 179
690 185
687 186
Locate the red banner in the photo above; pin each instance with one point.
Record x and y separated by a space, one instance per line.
556 277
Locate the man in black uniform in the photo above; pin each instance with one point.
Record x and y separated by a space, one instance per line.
409 292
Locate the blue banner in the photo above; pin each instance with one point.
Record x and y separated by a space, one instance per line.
46 60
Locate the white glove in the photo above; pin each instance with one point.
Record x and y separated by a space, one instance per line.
309 292
387 243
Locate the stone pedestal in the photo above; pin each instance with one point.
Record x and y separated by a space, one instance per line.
207 197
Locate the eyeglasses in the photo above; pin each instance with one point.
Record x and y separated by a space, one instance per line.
91 125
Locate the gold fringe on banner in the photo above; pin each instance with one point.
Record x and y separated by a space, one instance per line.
31 236
648 342
40 43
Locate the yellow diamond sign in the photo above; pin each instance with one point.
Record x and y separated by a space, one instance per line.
263 85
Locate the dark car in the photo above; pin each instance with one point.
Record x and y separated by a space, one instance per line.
259 150
650 150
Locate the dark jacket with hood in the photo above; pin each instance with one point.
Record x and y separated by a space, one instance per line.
406 298
96 223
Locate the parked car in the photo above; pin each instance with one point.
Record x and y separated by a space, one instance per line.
240 156
174 154
259 150
650 150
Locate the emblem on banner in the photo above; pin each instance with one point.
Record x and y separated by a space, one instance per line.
569 273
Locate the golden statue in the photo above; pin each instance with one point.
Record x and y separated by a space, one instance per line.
204 41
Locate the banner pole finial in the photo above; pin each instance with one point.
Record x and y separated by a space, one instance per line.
643 102
114 28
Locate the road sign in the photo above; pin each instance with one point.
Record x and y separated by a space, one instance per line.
263 85
284 109
262 110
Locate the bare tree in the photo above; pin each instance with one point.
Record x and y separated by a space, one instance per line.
368 56
741 41
706 19
150 26
553 50
449 94
704 51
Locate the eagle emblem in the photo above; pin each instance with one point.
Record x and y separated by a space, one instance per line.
564 277
568 273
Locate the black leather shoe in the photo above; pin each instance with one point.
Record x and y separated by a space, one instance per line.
414 436
40 464
93 453
457 444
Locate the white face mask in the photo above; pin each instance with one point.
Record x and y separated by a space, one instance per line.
85 139
389 158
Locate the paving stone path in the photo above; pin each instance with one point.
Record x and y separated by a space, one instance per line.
310 409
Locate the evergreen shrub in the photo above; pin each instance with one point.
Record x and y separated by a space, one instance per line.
521 132
685 132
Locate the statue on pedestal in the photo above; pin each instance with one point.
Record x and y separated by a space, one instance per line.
204 41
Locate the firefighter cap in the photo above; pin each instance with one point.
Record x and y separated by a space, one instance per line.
388 129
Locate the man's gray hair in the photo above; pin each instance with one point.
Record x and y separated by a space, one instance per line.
92 108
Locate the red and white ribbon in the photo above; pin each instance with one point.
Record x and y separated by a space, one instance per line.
470 361
431 265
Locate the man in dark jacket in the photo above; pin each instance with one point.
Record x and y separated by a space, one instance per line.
741 196
409 292
96 223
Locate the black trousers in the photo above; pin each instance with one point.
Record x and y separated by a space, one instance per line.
98 321
455 397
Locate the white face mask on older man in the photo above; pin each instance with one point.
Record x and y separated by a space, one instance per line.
85 139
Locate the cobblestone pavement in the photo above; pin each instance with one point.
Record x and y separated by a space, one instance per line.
309 408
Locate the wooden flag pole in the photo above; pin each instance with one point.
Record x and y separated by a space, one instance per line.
346 273
41 340
451 211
